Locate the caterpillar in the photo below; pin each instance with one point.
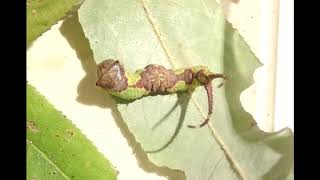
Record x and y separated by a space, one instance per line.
154 79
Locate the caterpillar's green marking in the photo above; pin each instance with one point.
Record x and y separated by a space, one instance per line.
154 79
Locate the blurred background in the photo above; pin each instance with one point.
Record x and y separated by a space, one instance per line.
267 26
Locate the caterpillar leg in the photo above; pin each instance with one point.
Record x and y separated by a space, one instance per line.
208 88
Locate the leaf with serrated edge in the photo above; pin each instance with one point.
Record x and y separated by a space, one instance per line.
184 33
56 149
42 14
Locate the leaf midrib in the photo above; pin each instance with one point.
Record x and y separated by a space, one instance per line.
47 158
170 58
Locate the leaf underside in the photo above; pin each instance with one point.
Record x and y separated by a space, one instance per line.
183 33
56 149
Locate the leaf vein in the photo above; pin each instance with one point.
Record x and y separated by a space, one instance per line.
223 146
152 21
47 158
215 166
215 134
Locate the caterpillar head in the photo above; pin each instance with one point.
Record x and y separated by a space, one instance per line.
111 75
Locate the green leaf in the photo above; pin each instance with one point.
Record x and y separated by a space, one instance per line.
184 33
56 149
42 14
